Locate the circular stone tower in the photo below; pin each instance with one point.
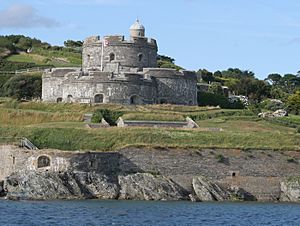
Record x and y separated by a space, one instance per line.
137 30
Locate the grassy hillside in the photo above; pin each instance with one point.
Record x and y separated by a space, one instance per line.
61 126
51 58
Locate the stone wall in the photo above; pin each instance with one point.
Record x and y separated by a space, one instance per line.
138 53
258 172
112 89
174 87
52 87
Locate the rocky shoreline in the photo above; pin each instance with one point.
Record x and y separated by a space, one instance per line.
150 174
139 186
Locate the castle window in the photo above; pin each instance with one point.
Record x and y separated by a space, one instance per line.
163 101
59 100
14 160
88 57
43 161
140 57
111 57
99 98
69 98
135 99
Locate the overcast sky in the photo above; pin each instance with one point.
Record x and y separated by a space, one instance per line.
258 35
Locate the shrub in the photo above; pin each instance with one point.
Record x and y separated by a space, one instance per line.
211 99
110 116
298 129
23 87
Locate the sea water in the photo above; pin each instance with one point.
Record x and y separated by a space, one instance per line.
95 212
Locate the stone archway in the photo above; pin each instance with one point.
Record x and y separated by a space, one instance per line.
135 99
163 101
43 161
69 98
98 98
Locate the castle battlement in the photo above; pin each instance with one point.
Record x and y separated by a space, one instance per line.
116 70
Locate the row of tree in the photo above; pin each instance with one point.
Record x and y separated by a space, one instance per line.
283 87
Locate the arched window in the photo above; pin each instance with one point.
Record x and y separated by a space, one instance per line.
59 100
140 56
69 98
43 161
135 99
111 57
99 98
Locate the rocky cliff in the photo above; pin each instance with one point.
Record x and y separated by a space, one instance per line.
150 174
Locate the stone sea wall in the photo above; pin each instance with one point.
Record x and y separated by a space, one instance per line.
151 174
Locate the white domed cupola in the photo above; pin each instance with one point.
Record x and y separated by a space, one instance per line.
137 29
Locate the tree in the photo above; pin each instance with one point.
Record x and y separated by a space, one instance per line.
274 78
167 62
216 88
205 76
73 44
293 103
23 87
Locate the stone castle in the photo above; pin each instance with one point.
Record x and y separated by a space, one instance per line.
115 70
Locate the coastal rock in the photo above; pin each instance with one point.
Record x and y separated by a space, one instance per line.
237 193
145 186
280 113
276 114
290 190
2 191
207 190
67 185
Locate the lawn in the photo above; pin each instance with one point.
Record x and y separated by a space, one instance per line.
61 126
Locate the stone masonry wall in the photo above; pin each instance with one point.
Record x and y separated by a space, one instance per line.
135 54
258 172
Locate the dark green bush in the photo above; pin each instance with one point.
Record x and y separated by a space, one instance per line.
211 99
23 87
110 116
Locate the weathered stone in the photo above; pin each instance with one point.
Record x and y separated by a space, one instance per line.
276 114
2 191
121 71
237 193
145 186
280 113
67 185
207 190
290 190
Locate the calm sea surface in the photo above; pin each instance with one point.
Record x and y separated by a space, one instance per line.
94 212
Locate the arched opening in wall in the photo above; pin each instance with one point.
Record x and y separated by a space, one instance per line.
58 100
135 99
43 161
14 160
88 57
163 101
99 98
140 56
190 102
111 57
69 98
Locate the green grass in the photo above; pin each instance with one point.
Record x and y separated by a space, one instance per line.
53 58
60 126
